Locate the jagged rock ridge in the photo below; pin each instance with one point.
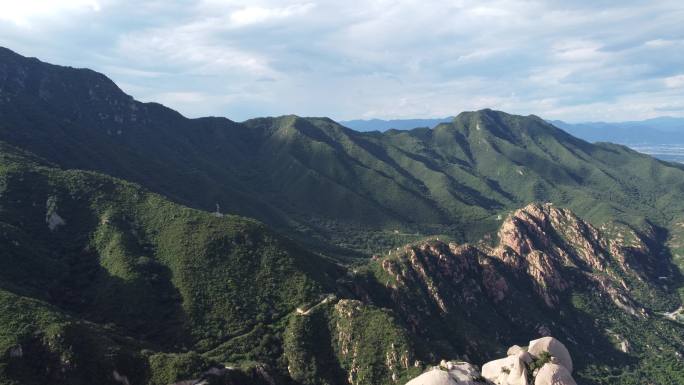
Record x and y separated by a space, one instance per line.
544 267
537 243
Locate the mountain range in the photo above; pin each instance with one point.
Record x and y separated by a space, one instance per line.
140 246
392 124
661 137
650 131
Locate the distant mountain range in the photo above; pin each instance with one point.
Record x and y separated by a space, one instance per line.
660 137
394 124
651 131
664 130
138 246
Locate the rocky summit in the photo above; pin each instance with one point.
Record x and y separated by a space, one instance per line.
138 246
545 361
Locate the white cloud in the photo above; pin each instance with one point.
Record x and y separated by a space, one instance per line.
578 51
657 43
254 15
23 13
675 81
380 58
193 49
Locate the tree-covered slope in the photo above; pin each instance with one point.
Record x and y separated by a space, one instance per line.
324 184
93 267
118 266
102 280
550 273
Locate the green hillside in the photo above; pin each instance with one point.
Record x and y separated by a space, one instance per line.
84 253
100 276
127 255
332 188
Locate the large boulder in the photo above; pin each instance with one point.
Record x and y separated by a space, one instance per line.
506 371
512 370
554 374
435 376
554 347
462 371
514 350
521 353
449 373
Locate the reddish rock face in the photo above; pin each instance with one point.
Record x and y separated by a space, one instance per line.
541 240
438 268
537 243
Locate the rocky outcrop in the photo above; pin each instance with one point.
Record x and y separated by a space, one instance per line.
352 320
449 373
53 219
506 371
554 374
554 347
538 244
432 264
545 361
539 240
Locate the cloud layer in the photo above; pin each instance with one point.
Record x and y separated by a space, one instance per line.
577 61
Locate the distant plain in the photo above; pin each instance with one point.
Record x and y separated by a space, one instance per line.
668 152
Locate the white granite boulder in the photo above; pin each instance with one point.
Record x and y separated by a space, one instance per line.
554 374
554 347
435 376
514 350
511 370
506 371
448 373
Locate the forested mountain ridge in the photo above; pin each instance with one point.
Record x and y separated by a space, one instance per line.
100 276
122 256
320 182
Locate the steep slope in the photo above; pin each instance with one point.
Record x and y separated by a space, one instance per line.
514 159
330 187
99 276
551 273
77 118
101 280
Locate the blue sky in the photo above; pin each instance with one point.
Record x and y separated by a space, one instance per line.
571 60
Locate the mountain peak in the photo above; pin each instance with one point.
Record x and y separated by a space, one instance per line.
516 129
488 114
